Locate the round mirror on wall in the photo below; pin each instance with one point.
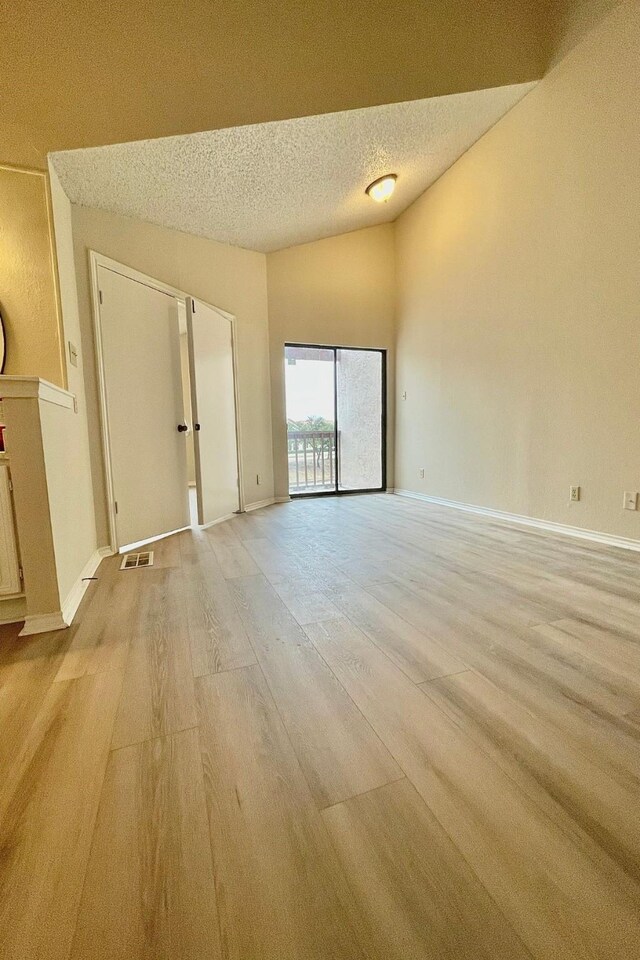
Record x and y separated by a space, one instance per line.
3 344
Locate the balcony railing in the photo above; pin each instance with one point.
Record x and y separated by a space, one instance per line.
312 460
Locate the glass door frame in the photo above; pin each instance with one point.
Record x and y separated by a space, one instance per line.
383 418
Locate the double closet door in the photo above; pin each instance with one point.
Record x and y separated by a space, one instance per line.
336 419
150 414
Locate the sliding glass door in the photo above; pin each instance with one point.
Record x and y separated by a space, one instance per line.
335 419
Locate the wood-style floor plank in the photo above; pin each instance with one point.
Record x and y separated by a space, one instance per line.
158 695
552 769
149 890
617 655
48 806
576 701
101 640
549 889
282 894
217 637
411 649
230 553
339 752
307 606
419 897
28 667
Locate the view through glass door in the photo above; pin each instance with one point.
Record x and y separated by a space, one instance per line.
335 419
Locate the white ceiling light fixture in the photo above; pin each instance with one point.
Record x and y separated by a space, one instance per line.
382 188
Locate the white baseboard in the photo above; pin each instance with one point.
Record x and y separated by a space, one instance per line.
282 499
71 604
138 544
213 523
626 543
43 623
259 504
61 619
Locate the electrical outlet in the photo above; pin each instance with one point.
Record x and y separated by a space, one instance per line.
421 473
630 500
258 479
574 494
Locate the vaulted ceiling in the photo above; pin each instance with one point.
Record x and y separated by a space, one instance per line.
272 185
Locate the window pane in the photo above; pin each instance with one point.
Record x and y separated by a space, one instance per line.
309 384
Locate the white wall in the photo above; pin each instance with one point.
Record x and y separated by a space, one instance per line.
518 310
338 291
70 489
227 277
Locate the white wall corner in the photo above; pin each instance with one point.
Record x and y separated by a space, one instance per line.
72 602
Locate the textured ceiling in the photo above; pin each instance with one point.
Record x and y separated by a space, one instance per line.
274 185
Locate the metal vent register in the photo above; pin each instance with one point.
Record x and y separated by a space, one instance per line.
132 561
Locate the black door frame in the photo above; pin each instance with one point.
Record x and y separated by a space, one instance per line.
383 418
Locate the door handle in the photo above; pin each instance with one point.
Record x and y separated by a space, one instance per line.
182 428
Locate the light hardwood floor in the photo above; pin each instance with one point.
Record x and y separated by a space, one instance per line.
330 730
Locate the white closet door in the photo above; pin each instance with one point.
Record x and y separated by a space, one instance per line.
144 400
214 411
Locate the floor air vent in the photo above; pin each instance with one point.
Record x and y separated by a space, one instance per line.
132 561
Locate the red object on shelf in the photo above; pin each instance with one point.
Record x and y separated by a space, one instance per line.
2 429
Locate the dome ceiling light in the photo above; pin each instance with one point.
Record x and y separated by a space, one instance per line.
382 188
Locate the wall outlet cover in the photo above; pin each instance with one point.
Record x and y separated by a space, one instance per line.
630 500
574 494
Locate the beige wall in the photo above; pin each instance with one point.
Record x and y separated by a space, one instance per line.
565 22
338 291
227 277
28 296
518 318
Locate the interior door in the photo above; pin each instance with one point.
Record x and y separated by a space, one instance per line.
214 411
145 408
